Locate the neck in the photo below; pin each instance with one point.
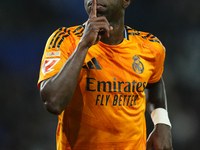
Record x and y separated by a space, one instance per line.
117 34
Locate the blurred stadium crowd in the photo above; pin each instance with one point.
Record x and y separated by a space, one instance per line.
26 25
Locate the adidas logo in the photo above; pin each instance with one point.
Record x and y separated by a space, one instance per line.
93 64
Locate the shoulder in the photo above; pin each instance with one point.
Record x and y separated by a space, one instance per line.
145 39
65 34
69 31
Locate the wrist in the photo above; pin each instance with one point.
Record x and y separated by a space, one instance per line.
160 116
84 45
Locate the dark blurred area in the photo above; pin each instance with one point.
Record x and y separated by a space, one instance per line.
24 29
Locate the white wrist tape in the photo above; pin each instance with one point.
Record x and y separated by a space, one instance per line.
160 115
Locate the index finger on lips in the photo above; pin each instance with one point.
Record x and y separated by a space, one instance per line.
93 12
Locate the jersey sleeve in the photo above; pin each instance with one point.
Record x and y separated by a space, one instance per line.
58 48
159 58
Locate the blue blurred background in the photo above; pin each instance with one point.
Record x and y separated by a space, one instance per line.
24 29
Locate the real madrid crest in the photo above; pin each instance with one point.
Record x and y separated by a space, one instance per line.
137 65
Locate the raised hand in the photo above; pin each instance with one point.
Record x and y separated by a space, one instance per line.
96 27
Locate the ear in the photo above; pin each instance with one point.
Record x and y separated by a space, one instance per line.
126 3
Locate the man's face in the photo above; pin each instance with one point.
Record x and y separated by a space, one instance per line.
107 8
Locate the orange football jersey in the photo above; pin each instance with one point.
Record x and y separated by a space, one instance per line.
108 106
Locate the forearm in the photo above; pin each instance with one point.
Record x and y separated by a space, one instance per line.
160 138
157 103
156 96
57 91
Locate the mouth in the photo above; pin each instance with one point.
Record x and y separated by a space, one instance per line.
99 5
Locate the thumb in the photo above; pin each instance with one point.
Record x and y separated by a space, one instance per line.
98 39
